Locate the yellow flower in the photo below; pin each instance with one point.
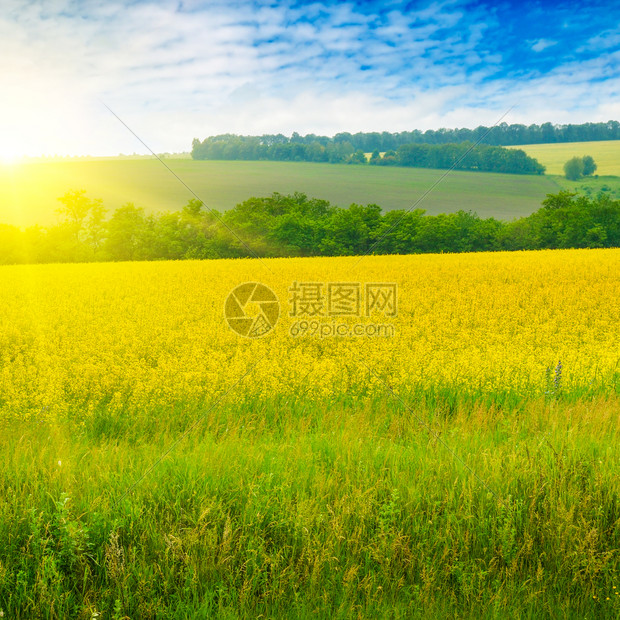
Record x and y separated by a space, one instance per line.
135 336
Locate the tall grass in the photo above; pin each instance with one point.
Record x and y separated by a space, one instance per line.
373 507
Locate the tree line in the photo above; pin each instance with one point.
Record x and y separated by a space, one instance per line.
464 156
229 146
460 156
295 225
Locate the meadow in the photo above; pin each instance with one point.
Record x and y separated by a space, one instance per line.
591 186
157 464
606 154
29 192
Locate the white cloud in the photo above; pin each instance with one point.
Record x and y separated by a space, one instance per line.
605 40
178 70
542 44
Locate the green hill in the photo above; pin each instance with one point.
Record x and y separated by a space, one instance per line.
606 154
28 192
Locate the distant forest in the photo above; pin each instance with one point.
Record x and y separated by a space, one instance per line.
347 147
295 225
462 156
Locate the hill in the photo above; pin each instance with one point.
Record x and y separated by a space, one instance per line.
606 154
29 192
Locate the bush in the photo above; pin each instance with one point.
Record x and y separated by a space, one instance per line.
573 168
589 166
578 167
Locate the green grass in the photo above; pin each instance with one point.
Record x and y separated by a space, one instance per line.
28 192
606 154
592 186
316 510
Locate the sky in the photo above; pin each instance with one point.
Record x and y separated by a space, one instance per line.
184 69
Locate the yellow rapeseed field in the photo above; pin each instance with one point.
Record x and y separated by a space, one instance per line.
135 336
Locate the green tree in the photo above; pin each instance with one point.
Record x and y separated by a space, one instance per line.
75 208
357 158
375 158
589 166
351 231
573 169
388 159
397 232
12 249
126 230
96 227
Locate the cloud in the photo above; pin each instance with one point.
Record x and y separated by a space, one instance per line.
175 70
542 44
609 39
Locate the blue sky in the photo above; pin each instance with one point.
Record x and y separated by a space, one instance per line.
175 70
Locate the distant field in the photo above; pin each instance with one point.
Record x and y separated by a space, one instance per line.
606 154
28 192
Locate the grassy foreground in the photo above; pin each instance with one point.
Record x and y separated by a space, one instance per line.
316 509
29 192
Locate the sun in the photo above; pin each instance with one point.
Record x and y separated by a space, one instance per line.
9 156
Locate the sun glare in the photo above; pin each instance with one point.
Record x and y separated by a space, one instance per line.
9 157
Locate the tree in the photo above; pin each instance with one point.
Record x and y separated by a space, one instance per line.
357 158
589 166
125 230
351 231
574 168
388 159
75 208
96 226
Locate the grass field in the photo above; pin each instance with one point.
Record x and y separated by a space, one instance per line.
606 154
591 186
154 463
28 192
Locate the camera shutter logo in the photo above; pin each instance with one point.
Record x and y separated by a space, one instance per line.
252 309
